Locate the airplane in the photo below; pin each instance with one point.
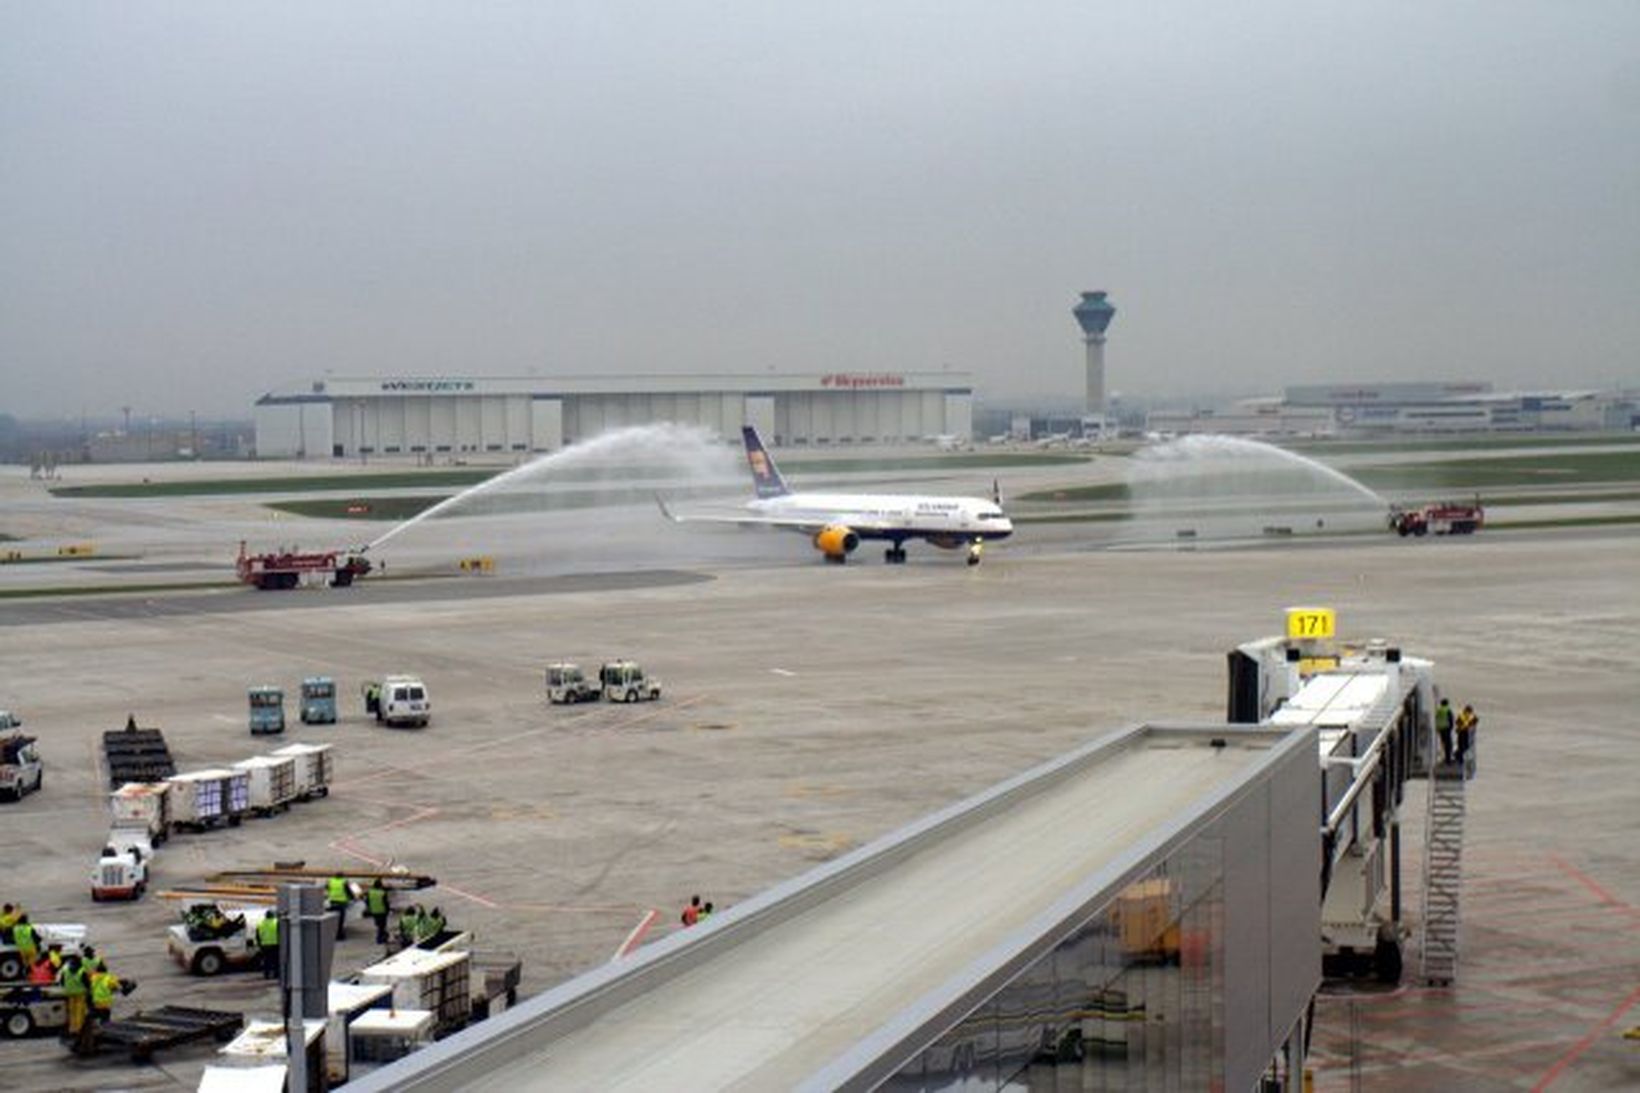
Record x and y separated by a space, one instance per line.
838 522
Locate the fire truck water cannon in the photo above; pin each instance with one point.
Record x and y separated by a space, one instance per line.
287 568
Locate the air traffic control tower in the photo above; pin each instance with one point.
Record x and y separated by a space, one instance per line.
1094 314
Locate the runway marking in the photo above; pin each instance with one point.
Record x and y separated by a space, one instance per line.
637 934
782 672
225 719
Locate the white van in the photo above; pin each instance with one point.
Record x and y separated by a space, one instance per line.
404 701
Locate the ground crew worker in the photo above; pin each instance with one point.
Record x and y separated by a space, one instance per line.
8 919
92 962
1468 721
432 924
267 940
408 922
337 898
41 973
55 954
691 913
72 980
22 936
104 984
706 911
376 906
1443 727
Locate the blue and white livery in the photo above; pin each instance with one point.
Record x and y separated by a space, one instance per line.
838 522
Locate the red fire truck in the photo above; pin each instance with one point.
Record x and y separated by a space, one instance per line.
1440 518
286 568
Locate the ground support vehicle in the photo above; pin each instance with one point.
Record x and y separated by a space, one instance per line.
272 781
1440 518
403 700
624 681
287 568
122 870
318 700
267 713
211 939
26 1009
315 767
20 768
137 755
71 936
9 720
160 1029
566 683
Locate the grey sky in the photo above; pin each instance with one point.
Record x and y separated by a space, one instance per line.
199 202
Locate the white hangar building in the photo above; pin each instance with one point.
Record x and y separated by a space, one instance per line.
415 415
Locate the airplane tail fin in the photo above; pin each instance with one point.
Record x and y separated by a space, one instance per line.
765 475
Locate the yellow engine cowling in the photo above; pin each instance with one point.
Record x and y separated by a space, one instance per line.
836 541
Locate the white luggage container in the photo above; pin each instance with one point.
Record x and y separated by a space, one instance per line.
315 766
209 798
272 782
436 981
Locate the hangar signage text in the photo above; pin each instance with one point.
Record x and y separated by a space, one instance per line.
855 380
427 385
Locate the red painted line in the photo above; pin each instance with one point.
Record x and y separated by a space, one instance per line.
1584 1044
637 934
1594 886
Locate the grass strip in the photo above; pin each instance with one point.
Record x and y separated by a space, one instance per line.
321 483
1470 475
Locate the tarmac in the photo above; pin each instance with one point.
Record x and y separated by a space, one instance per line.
809 708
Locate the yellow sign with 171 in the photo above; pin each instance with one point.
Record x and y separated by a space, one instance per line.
1308 623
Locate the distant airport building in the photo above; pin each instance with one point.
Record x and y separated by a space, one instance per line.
1358 409
428 416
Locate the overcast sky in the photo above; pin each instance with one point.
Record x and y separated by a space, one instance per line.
202 202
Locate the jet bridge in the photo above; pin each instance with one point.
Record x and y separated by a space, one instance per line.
1372 709
1139 910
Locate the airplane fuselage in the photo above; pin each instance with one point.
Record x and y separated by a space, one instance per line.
893 517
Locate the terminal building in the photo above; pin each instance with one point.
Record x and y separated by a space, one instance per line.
1369 409
429 416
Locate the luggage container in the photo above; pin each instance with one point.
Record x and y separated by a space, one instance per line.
347 1002
209 798
272 782
434 981
315 766
145 805
262 1044
380 1036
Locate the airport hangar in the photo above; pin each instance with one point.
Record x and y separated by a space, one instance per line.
433 416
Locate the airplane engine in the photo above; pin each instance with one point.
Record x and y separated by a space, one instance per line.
836 542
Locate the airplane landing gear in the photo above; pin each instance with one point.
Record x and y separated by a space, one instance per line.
975 550
894 555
